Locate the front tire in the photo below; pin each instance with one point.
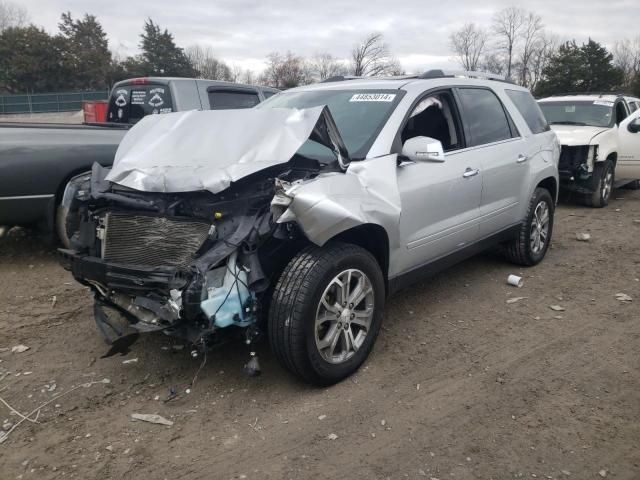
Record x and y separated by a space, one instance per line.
326 312
603 178
534 234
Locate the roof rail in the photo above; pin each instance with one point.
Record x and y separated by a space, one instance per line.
340 78
438 73
567 94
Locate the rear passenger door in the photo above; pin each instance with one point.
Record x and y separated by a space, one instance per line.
440 200
496 143
225 98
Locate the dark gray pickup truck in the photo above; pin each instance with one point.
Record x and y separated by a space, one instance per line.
38 160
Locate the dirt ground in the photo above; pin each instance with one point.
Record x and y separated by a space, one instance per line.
461 383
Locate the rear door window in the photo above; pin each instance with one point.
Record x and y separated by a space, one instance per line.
232 99
530 110
131 103
484 116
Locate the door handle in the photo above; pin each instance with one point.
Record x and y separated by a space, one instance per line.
470 172
522 158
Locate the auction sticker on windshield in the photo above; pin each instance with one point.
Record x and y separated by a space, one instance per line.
603 103
373 97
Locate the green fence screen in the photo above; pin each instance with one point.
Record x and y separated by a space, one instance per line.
48 102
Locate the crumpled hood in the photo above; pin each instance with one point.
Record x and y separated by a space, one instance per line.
571 135
207 150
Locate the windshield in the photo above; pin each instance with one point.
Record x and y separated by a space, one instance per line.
594 113
359 115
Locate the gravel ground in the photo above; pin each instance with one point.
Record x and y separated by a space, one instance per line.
462 383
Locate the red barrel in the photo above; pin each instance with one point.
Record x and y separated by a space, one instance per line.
95 111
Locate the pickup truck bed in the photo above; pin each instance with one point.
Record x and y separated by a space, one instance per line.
37 160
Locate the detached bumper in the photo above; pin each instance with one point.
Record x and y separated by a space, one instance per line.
133 279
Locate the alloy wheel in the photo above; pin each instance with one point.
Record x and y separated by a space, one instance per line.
344 316
539 227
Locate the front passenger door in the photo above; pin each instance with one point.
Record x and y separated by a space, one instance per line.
628 166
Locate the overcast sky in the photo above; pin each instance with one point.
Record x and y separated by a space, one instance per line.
243 32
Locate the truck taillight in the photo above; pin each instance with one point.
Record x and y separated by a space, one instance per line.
139 81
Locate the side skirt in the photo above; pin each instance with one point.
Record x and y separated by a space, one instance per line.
429 269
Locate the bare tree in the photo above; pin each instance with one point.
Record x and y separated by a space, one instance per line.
492 62
12 15
532 31
372 57
468 43
507 25
543 50
324 65
208 66
285 71
626 54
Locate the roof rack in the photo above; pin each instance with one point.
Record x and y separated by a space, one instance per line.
567 94
438 73
339 78
430 74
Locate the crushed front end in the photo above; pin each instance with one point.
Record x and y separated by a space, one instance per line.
189 264
576 166
182 235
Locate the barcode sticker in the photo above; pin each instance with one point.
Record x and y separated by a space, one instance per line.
373 97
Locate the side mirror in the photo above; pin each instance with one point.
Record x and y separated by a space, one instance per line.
420 149
634 126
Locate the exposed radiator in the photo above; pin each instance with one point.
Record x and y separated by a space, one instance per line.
152 241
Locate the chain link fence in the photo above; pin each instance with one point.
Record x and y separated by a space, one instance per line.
48 102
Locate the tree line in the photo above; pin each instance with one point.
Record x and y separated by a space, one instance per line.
515 44
78 57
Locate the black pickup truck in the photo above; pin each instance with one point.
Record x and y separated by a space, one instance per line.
38 160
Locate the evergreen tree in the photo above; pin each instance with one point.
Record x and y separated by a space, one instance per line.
602 75
31 61
160 55
565 72
86 51
585 68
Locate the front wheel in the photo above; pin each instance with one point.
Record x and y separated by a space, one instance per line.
534 235
603 177
326 312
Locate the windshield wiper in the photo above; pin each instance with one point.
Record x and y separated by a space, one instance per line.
568 122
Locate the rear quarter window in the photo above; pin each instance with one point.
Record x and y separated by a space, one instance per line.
530 110
232 99
484 115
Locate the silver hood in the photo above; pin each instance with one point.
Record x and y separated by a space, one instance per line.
207 150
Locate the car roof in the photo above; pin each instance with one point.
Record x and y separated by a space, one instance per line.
581 98
407 82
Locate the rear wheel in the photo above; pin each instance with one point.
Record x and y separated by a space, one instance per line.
603 177
534 235
326 312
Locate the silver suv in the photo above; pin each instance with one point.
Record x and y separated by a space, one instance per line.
299 217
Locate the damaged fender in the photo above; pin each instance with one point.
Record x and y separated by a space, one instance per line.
334 202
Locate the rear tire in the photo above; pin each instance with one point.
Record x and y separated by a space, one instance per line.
318 329
534 234
603 178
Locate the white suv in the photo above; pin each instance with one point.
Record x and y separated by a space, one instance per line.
600 142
